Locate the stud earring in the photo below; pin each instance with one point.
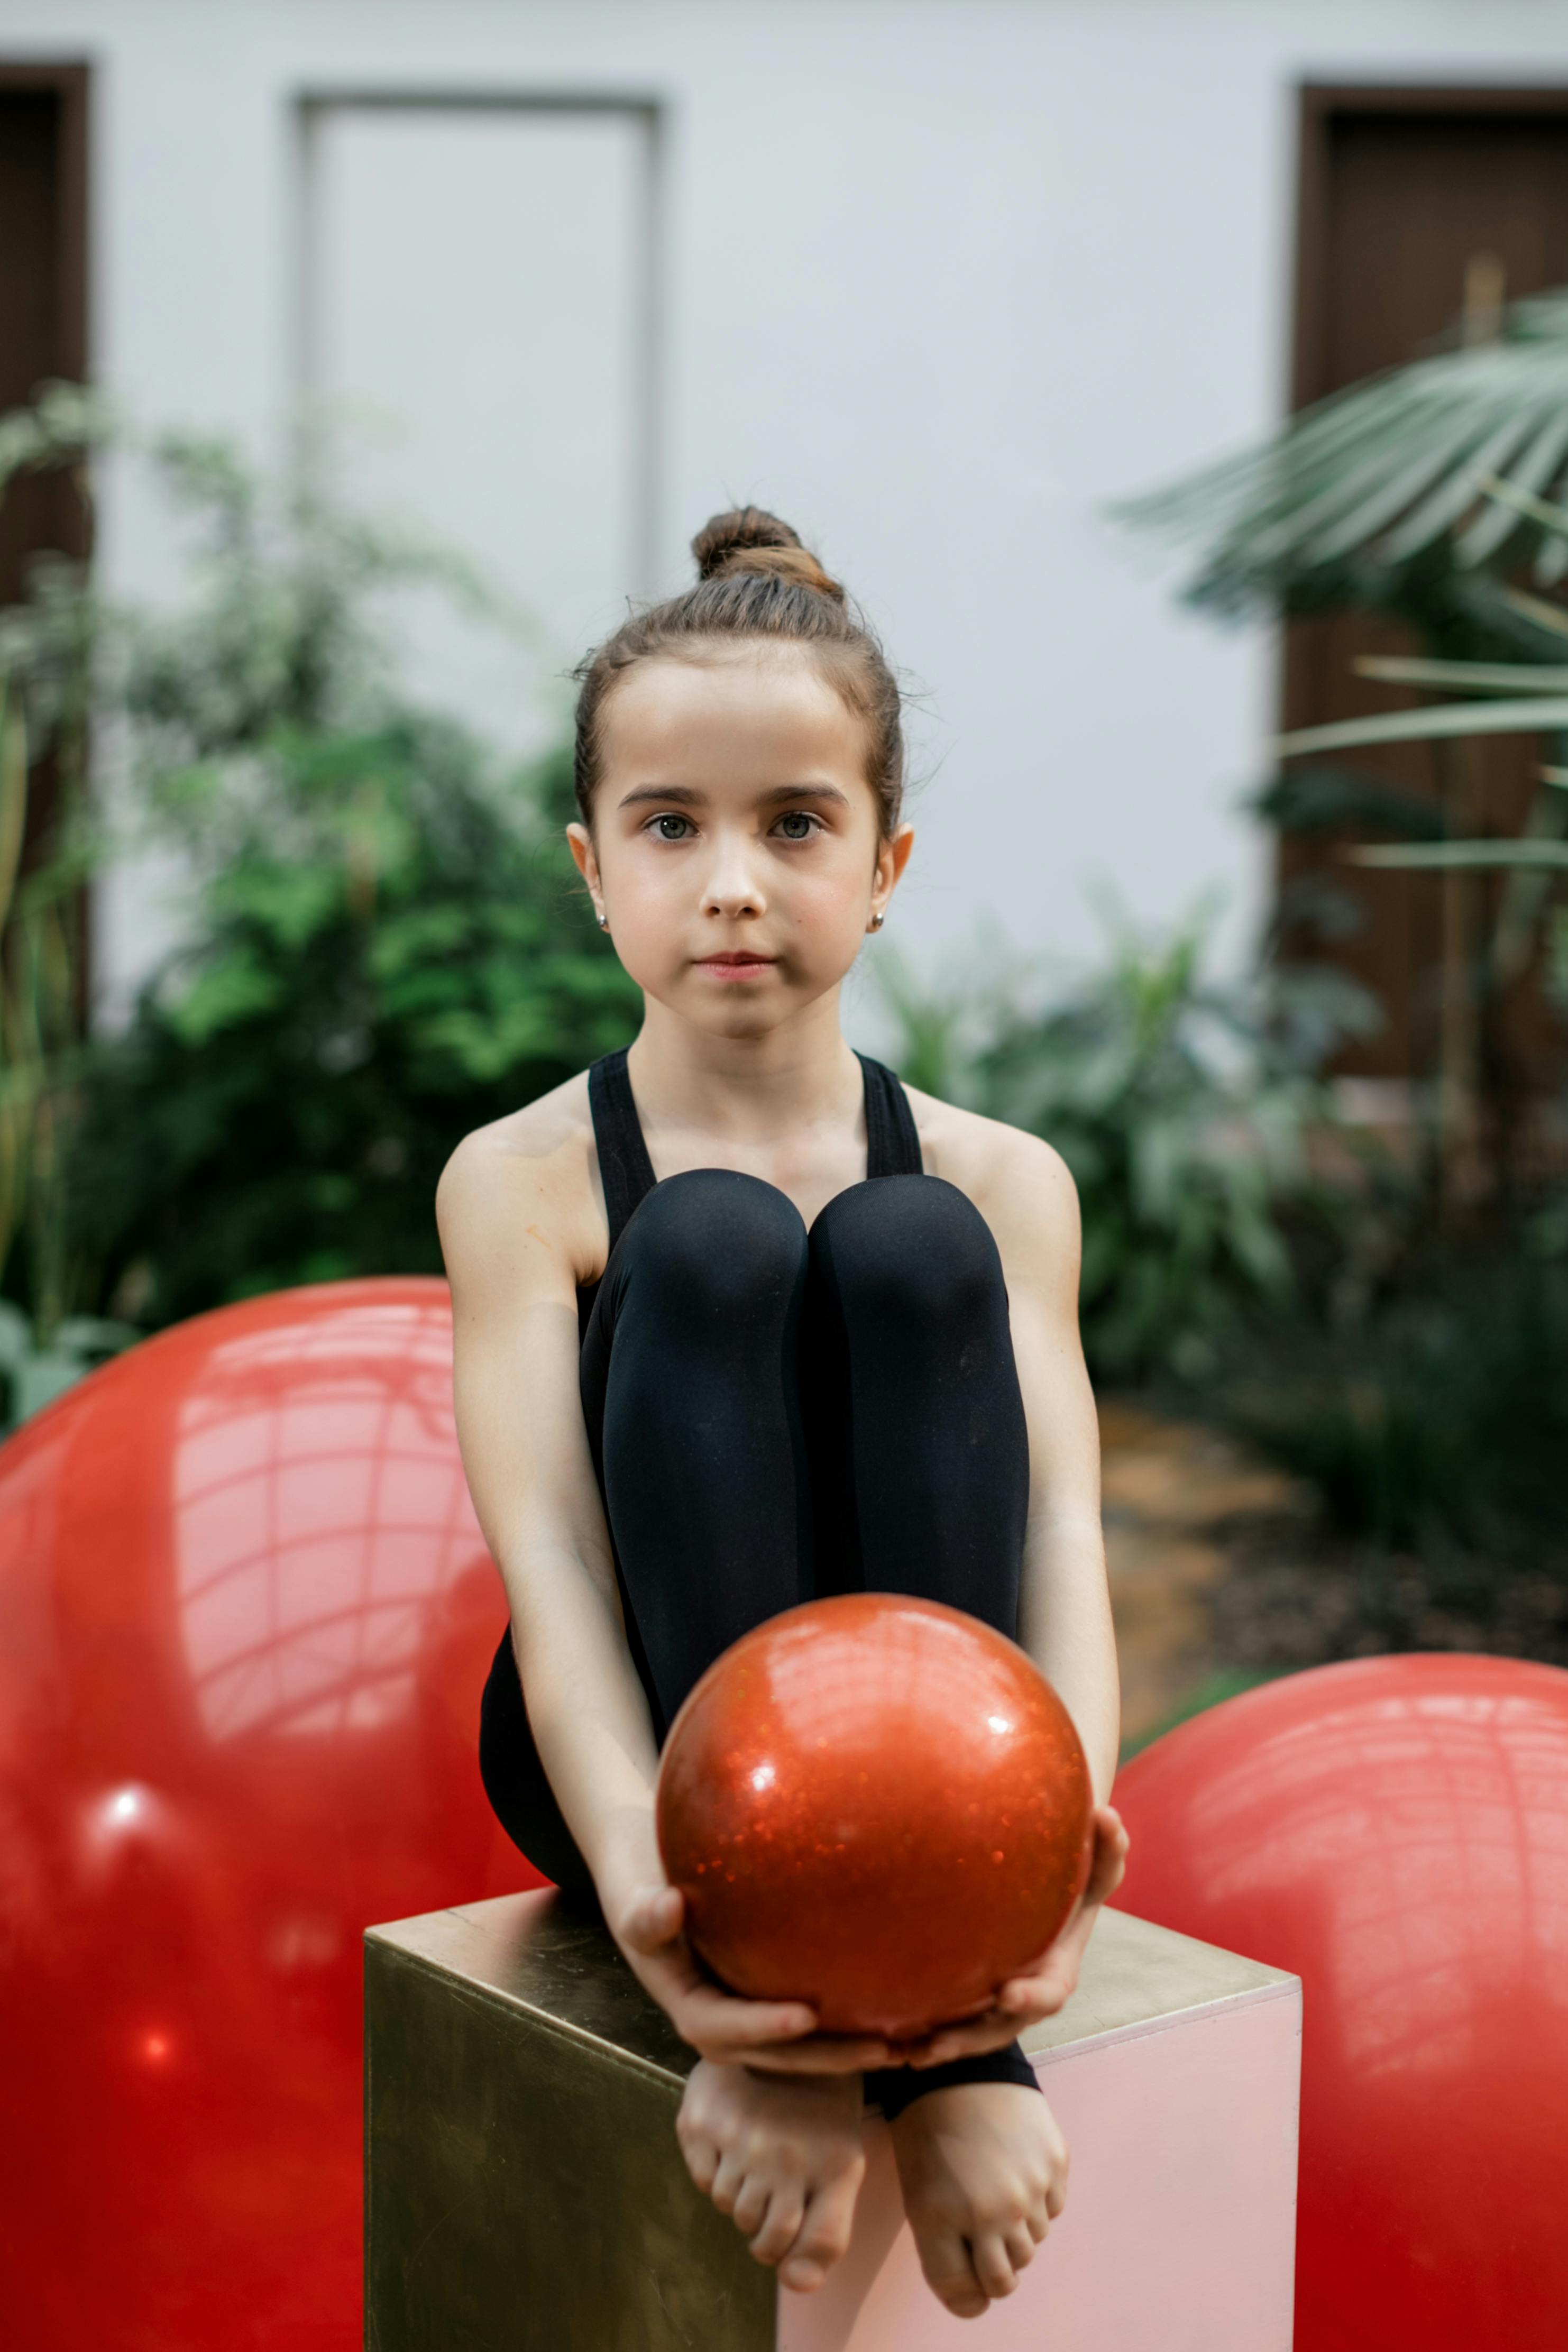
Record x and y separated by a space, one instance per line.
603 922
877 922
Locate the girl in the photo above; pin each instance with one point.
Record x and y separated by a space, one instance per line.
739 1321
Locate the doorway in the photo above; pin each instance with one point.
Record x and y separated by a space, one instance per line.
43 289
1420 213
479 327
43 335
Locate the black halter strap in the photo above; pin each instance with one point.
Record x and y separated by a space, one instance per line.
625 1170
892 1143
893 1146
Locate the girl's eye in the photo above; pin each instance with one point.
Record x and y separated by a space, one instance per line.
798 825
670 827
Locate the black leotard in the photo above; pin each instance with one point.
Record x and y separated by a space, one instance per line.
776 1414
626 1173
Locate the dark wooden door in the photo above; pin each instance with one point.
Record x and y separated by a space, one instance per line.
1415 205
43 339
43 289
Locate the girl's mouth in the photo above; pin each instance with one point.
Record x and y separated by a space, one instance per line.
735 966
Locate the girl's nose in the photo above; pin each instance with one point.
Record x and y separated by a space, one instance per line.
733 885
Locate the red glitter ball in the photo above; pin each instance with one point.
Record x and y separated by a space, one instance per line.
828 1802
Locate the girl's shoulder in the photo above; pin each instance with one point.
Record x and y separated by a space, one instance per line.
534 1172
1021 1187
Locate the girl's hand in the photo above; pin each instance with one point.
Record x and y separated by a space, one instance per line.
776 2037
1044 1987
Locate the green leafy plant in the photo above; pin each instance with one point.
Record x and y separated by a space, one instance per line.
1438 1425
1183 1108
382 943
387 943
46 855
44 1351
388 953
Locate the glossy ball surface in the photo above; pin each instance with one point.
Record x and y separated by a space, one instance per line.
246 1614
1396 1832
876 1805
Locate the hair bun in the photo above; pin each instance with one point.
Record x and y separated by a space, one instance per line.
748 538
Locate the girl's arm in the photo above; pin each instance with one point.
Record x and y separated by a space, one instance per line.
503 1217
1065 1600
1028 1199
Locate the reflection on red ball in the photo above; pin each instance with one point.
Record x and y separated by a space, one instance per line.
244 1618
1395 1831
877 1805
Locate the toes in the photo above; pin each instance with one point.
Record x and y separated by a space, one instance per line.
750 2209
702 2160
949 2273
824 2233
780 2228
1021 2243
817 2249
727 2184
992 2267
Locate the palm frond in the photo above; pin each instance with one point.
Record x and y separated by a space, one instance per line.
1553 618
1454 719
1461 856
1478 678
1469 442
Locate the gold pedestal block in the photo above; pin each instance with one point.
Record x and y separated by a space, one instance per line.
524 2192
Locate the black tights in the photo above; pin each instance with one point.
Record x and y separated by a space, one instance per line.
777 1414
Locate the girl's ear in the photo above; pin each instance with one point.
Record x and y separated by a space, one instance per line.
579 841
892 857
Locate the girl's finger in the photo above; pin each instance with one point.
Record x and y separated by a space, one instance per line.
988 2033
653 1919
713 2016
1111 1847
1028 1999
823 2054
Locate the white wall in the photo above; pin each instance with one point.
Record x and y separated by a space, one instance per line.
474 347
940 277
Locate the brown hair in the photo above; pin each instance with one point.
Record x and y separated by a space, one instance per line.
755 580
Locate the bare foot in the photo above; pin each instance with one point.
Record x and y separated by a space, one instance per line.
984 2173
780 2154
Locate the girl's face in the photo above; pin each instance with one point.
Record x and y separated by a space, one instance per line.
735 850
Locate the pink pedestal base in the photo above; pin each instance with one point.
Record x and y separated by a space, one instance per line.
1178 2234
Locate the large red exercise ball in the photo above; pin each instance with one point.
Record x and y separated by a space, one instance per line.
246 1614
876 1805
1396 1832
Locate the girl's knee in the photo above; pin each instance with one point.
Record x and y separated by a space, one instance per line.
714 1241
912 1242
